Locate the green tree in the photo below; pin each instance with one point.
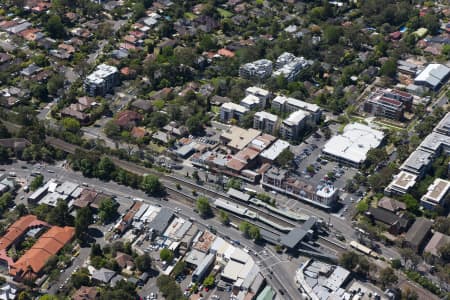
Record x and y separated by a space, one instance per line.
83 219
138 10
96 250
60 214
196 176
285 158
204 207
432 23
444 252
254 232
151 185
105 168
4 155
55 27
37 182
234 183
169 288
389 68
79 279
224 217
71 124
55 83
48 297
166 255
111 129
349 260
388 277
108 210
332 34
143 263
442 224
209 281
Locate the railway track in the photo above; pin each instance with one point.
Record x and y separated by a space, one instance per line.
168 180
214 194
179 196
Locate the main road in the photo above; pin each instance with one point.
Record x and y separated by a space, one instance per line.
282 269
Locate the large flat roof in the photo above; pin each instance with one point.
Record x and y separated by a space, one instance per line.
239 137
437 190
444 125
354 143
273 151
433 74
235 107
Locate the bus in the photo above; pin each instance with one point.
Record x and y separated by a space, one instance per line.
363 249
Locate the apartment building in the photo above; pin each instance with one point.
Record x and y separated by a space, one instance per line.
101 81
258 69
389 103
251 102
381 106
230 110
265 122
292 127
436 194
262 94
290 105
289 66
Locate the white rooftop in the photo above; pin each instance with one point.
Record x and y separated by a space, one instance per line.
437 190
254 90
296 117
101 72
433 74
354 143
297 103
273 151
234 107
250 100
263 115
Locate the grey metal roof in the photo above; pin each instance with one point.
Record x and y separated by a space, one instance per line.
297 234
162 220
238 194
418 231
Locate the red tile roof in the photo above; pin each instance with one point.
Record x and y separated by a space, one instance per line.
49 244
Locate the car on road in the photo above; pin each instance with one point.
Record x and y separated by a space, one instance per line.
50 171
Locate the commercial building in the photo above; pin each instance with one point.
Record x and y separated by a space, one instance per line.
232 110
101 81
433 76
262 94
418 234
269 155
258 69
352 145
203 268
289 105
436 194
292 127
324 196
237 138
265 122
319 280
